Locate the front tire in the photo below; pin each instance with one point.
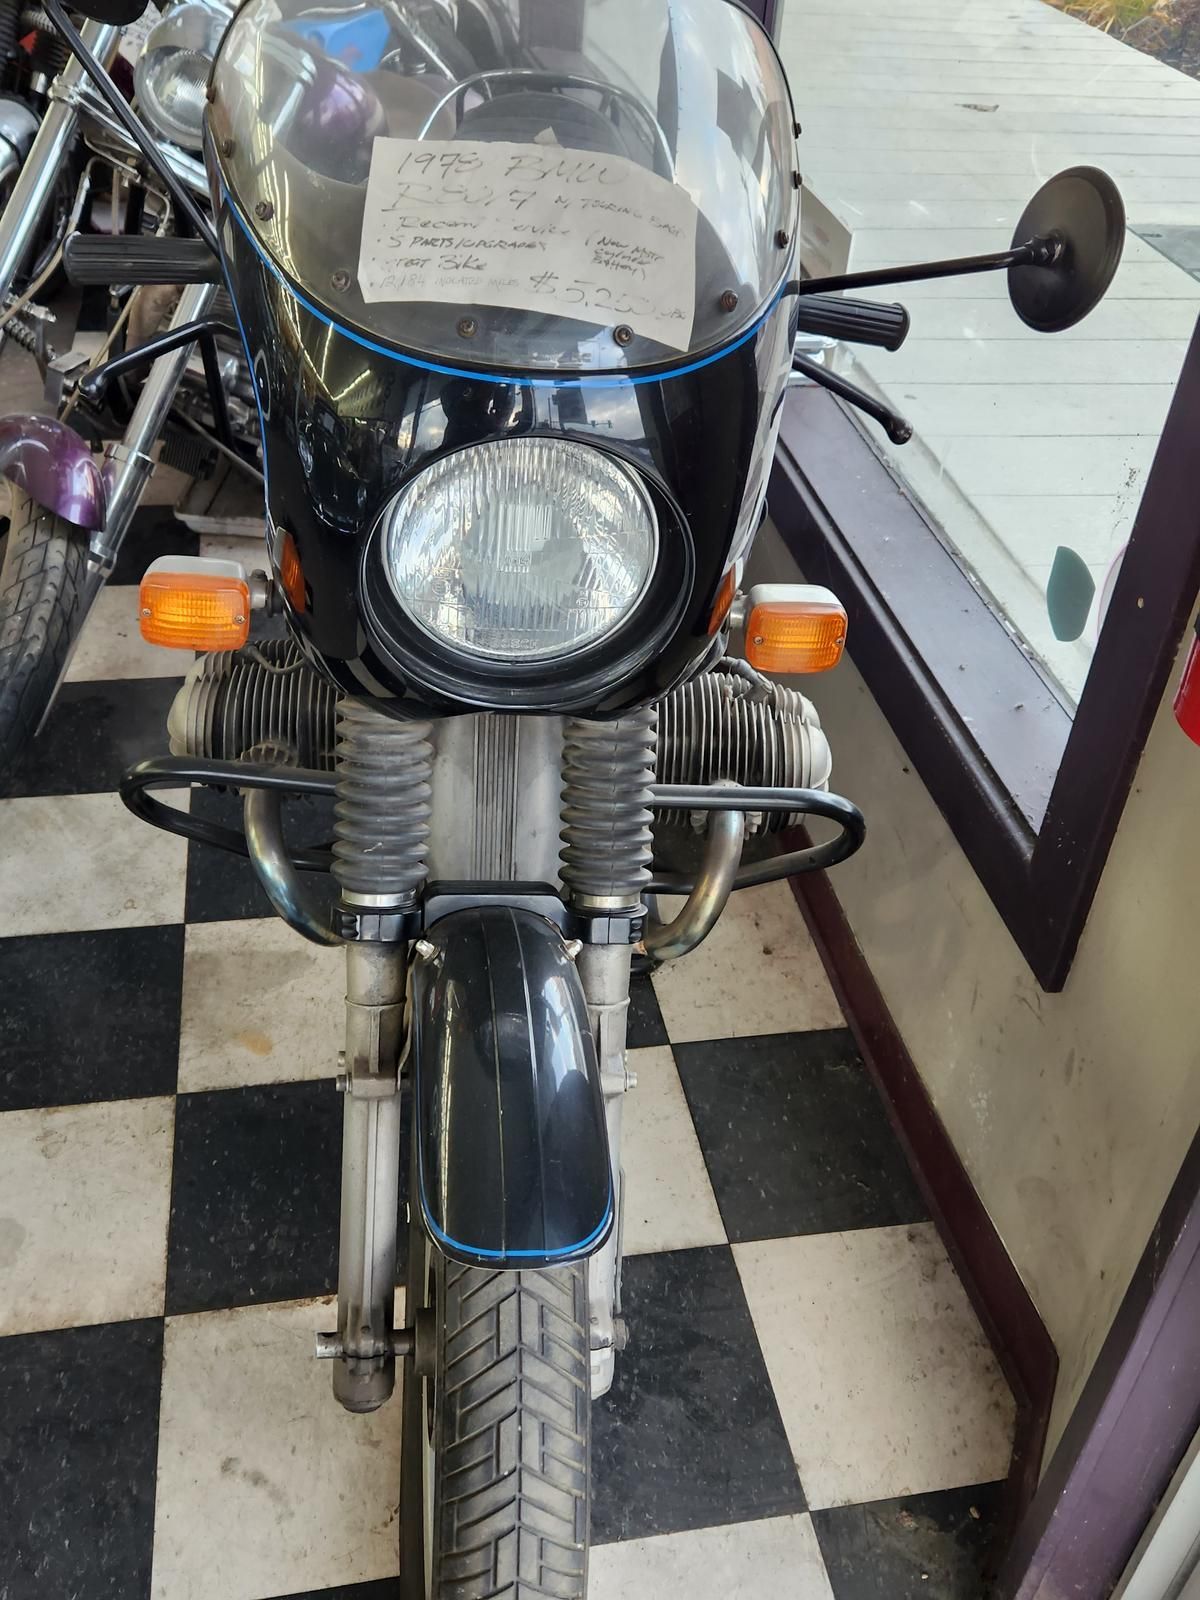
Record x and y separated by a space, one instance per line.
42 581
497 1423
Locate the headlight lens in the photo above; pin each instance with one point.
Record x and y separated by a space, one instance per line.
521 549
173 69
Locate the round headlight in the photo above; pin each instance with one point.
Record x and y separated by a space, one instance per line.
172 70
521 549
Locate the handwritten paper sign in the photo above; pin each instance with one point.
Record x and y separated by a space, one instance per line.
530 227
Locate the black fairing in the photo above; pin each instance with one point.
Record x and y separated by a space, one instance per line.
512 1145
346 424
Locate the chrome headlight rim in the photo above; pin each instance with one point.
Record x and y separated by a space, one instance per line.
192 29
564 682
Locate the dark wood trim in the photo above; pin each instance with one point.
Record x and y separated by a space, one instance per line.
917 624
1136 1418
1001 1300
1033 797
769 13
1073 1531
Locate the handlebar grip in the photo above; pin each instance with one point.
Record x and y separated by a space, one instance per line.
832 316
106 258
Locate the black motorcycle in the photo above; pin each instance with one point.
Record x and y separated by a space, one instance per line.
517 286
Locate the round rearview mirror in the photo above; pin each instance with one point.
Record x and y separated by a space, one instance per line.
122 12
1082 209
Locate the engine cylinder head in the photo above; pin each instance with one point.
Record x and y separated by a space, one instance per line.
724 728
267 693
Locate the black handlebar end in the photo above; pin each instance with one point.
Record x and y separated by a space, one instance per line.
833 316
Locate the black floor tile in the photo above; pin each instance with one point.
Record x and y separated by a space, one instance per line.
923 1547
89 1016
795 1136
255 1195
155 531
690 1435
94 732
222 887
78 1447
646 1026
255 1192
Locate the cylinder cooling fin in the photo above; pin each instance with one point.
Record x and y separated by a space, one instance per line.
232 702
721 728
718 727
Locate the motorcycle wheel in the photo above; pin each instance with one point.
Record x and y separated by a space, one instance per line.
494 1494
42 581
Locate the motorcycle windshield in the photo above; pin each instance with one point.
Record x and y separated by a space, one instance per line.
562 184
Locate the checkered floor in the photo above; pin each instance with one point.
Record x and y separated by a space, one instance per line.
807 1407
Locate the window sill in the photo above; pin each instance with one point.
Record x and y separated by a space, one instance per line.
1032 797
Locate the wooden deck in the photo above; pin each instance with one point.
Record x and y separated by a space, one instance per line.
927 126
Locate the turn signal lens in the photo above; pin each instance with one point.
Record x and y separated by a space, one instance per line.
195 605
794 629
291 573
726 595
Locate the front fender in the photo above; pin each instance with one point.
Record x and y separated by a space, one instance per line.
512 1146
54 467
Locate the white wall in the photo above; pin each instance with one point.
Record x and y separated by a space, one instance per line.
1071 1112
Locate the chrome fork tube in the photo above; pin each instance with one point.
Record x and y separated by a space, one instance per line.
382 821
604 972
22 216
128 464
376 977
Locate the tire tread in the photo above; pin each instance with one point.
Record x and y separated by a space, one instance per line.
512 1518
41 610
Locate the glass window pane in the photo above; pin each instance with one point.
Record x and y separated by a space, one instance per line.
928 124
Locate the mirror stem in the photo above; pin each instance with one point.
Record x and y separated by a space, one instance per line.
1041 252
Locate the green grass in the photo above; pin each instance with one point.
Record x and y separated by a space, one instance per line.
1120 17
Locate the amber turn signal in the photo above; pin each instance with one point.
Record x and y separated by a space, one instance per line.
792 628
291 574
195 604
726 595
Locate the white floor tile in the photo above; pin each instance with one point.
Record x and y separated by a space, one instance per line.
884 1379
111 645
265 1485
85 1194
779 1558
74 862
251 552
756 973
669 1202
260 1005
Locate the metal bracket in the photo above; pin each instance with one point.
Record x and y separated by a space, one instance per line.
330 1348
358 925
600 928
366 1079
